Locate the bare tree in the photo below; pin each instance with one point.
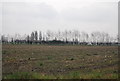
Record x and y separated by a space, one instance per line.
48 35
32 37
107 37
40 37
36 36
59 35
84 36
4 39
28 39
66 36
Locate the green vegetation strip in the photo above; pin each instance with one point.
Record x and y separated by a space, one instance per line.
71 75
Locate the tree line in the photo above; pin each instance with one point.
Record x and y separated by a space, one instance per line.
63 37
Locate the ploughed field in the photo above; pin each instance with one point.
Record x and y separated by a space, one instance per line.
59 62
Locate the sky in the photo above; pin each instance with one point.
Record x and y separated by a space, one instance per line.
23 17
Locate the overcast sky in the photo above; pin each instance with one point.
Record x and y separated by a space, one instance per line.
84 15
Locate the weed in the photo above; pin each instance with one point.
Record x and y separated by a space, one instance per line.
41 64
72 59
88 54
18 75
4 52
49 57
95 54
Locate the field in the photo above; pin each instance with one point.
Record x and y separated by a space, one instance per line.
59 62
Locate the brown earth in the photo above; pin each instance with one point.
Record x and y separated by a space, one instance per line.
51 59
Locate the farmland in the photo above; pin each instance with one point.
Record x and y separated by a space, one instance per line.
59 61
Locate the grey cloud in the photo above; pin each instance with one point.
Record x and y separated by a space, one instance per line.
24 17
102 12
24 10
